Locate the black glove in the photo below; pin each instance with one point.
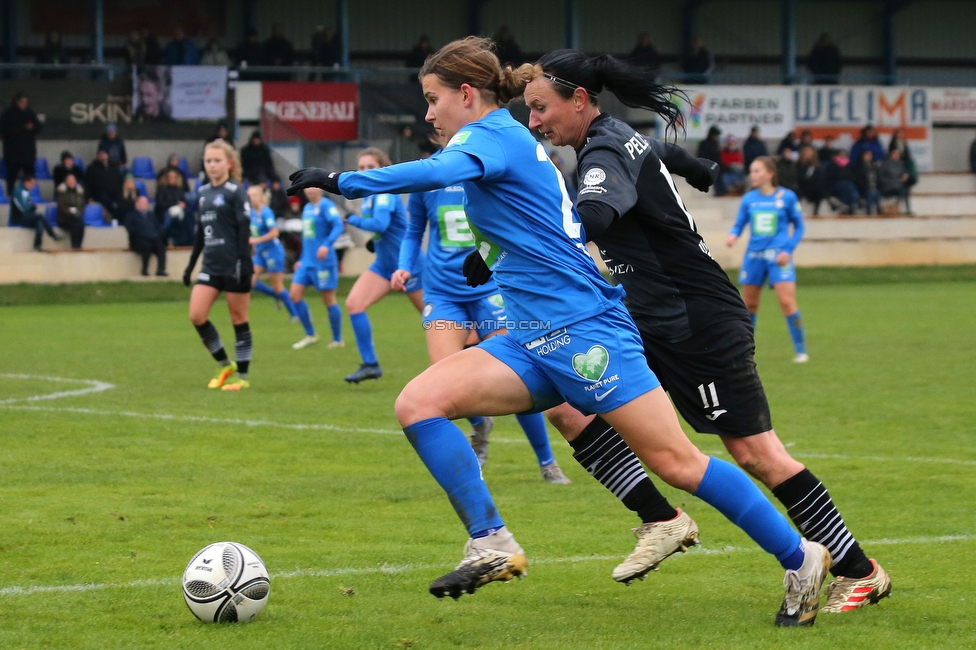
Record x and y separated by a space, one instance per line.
705 178
186 277
476 272
371 245
313 177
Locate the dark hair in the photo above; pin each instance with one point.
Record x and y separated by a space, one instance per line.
27 177
568 70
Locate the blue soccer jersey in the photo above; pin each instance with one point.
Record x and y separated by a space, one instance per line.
384 215
526 228
450 241
262 223
769 219
321 226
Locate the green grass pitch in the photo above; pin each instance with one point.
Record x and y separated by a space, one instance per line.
104 496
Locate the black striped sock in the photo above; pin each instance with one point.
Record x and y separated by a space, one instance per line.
814 513
242 348
604 454
211 339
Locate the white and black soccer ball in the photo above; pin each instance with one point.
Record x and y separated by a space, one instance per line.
226 582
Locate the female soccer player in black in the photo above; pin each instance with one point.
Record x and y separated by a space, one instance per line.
697 333
223 229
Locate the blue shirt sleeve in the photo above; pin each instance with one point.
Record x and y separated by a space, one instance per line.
795 216
381 214
412 239
334 222
743 217
268 218
449 167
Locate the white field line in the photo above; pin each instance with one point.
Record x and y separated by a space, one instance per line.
7 592
91 386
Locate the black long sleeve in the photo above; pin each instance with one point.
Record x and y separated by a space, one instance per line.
197 248
596 217
699 172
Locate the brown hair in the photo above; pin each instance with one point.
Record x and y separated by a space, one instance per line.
381 156
472 61
770 165
232 156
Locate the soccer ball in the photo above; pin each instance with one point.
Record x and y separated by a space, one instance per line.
226 582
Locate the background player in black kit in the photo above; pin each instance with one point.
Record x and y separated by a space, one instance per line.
697 333
223 228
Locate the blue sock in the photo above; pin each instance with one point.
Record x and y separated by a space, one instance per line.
451 461
364 337
289 305
476 421
795 322
265 289
726 488
301 309
335 321
753 318
534 425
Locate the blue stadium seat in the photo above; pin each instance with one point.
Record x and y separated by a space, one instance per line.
36 194
51 214
93 216
141 188
80 164
3 194
143 168
41 170
184 167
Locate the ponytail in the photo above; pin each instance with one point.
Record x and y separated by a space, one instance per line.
633 86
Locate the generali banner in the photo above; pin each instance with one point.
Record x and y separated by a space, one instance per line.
317 111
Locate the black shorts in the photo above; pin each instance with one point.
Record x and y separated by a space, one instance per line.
712 379
226 283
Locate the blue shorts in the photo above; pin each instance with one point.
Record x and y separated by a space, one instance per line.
415 283
324 276
597 365
484 316
271 260
759 266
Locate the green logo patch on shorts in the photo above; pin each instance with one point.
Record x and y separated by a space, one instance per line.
593 364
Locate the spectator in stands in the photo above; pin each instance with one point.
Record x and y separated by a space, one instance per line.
753 147
827 151
898 142
644 54
893 178
709 149
135 49
130 193
256 162
279 200
53 52
326 51
824 61
104 185
169 193
697 63
866 179
153 53
66 165
810 178
221 132
181 50
71 209
786 170
214 53
145 236
113 145
19 127
733 170
789 141
506 48
173 163
867 141
421 50
249 53
24 213
279 51
839 179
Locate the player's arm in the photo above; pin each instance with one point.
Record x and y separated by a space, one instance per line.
795 216
381 216
243 211
607 190
335 227
740 224
413 238
699 172
195 254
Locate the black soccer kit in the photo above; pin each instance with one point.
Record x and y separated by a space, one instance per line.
223 229
698 338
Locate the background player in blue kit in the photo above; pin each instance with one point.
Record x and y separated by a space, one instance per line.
452 309
269 254
318 266
384 215
769 211
572 339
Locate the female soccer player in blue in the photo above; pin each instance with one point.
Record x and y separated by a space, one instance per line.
452 310
769 211
384 215
318 266
571 341
269 254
